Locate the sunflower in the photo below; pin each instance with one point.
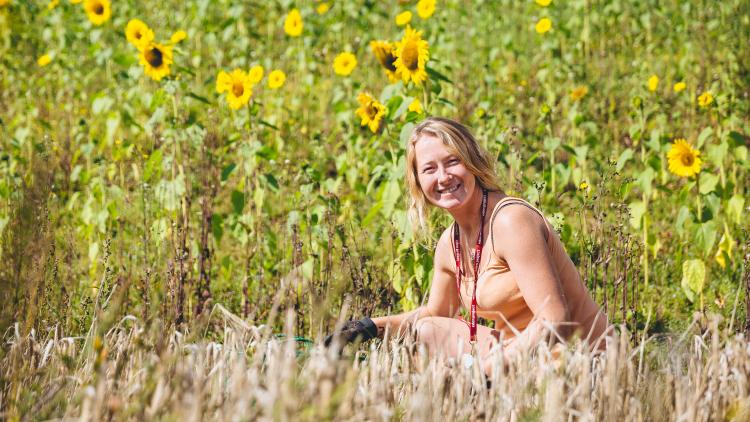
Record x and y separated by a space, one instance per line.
579 92
416 106
276 79
653 83
178 36
237 86
679 86
544 25
344 63
52 4
370 111
412 52
425 8
403 18
543 3
293 23
44 60
705 99
139 34
98 11
4 3
384 53
322 8
156 59
255 74
683 159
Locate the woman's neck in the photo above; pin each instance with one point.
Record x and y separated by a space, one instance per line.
467 216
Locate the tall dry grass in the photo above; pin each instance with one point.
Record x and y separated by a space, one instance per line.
246 373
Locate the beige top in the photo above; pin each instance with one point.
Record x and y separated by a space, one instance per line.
499 297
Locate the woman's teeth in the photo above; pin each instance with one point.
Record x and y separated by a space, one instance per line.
449 190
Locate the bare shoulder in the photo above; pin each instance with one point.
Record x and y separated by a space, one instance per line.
517 223
443 249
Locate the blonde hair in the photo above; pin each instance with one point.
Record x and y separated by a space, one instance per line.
462 143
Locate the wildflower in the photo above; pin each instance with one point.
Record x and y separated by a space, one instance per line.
416 106
705 99
679 86
44 60
98 11
412 53
370 111
684 161
425 8
543 3
544 25
344 64
653 83
403 18
579 92
322 8
276 79
178 36
583 186
293 23
383 51
237 87
52 4
138 34
255 74
4 3
156 59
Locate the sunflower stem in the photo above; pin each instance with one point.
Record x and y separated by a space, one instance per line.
699 211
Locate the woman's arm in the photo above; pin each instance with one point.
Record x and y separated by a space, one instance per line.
519 235
443 299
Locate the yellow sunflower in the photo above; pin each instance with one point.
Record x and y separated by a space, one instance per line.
98 11
156 59
579 92
322 8
679 86
684 161
384 53
293 23
416 106
544 25
178 36
344 63
44 60
4 3
425 8
705 99
653 83
412 53
138 34
255 74
403 18
52 4
237 86
276 79
543 3
370 111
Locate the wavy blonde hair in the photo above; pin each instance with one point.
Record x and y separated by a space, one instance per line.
461 142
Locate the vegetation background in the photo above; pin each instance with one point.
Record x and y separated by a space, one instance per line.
153 199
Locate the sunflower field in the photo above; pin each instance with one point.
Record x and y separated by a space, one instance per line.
188 186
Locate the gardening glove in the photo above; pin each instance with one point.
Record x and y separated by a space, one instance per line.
363 329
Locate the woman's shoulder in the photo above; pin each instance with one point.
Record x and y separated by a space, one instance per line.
512 215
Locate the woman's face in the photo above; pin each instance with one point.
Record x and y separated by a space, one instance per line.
444 179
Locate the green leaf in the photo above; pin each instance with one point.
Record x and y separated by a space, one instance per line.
195 96
238 201
217 223
226 171
637 209
682 216
391 194
708 182
152 169
434 74
706 236
734 208
693 277
272 182
703 137
717 153
646 180
393 105
307 268
405 133
623 158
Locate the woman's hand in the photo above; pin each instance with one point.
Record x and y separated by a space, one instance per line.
363 330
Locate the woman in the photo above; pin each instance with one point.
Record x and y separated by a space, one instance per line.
528 284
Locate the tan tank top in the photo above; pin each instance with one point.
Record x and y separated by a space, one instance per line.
500 299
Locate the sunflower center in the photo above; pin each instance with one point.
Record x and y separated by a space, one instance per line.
238 89
99 9
371 112
154 57
138 35
687 159
388 62
410 56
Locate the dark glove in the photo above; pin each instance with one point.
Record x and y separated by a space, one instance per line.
363 329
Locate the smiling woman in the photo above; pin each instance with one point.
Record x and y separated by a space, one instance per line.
523 280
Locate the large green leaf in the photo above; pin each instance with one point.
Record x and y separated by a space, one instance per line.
693 277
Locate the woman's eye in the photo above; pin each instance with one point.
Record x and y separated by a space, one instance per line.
453 161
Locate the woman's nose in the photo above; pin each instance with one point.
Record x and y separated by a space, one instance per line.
443 174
